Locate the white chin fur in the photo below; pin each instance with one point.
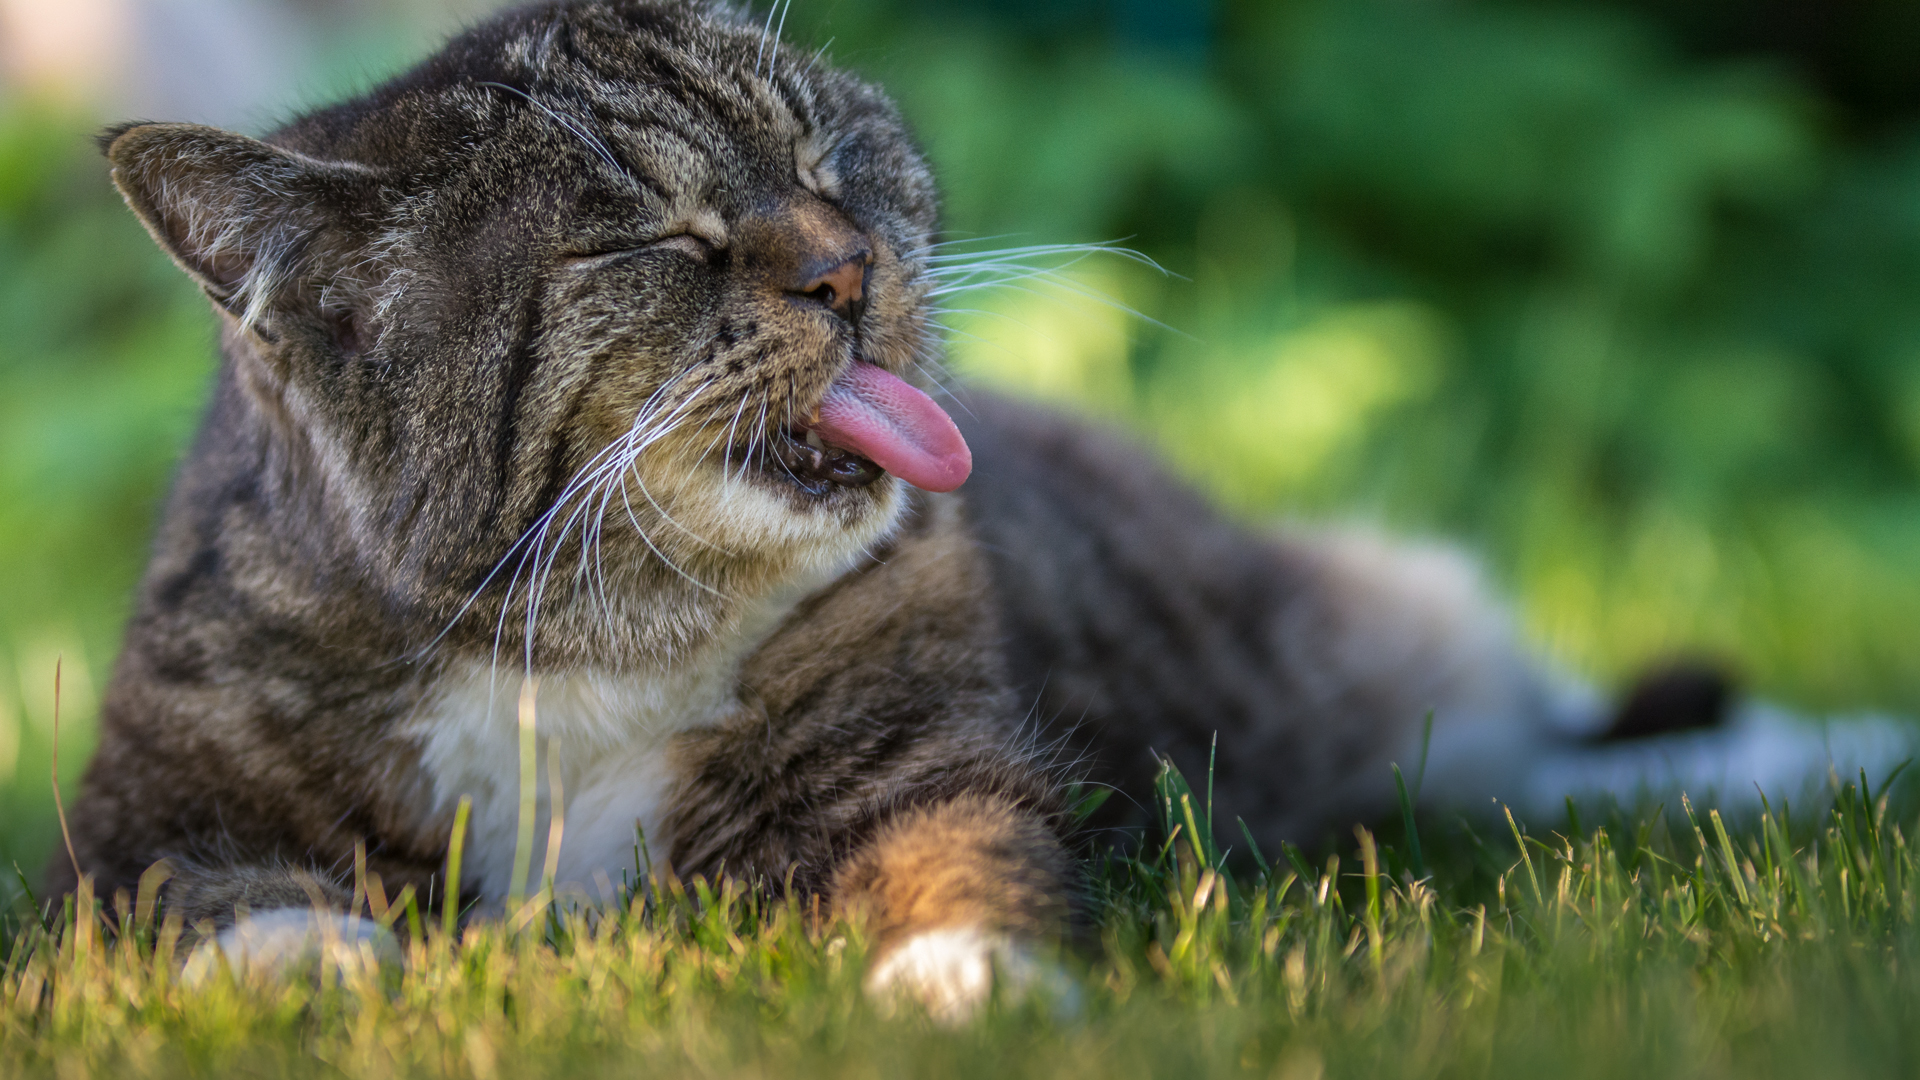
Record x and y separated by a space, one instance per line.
284 939
952 973
734 511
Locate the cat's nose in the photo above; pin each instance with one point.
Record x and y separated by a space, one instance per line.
841 287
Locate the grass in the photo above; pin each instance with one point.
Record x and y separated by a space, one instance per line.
1659 943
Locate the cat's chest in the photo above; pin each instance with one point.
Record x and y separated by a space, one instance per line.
601 754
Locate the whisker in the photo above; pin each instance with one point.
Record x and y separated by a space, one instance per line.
595 549
758 434
1068 285
529 546
957 241
814 63
518 545
579 130
726 460
647 540
545 557
773 58
765 32
669 519
955 272
1031 251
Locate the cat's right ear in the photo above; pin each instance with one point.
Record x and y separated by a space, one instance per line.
239 216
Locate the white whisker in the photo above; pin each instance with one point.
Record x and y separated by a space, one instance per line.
814 63
765 33
575 126
773 58
647 540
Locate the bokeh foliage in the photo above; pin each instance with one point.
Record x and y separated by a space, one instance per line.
1636 322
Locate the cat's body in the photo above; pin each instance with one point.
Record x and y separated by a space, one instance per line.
577 353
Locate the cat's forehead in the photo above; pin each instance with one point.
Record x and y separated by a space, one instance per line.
686 103
627 119
709 131
697 76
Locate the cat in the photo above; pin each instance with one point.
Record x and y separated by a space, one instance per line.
577 379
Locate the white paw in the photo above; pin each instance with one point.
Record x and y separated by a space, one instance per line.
952 973
285 938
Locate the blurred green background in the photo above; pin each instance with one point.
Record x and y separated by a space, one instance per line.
1623 295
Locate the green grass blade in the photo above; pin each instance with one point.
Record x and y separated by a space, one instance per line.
1406 817
450 909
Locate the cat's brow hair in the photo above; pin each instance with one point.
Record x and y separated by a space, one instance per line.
695 113
571 125
745 100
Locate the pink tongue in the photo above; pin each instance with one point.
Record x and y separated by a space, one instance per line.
876 415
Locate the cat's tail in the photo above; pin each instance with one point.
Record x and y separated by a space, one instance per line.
1681 731
1476 720
1760 751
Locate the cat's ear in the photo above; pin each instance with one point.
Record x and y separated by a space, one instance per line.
236 214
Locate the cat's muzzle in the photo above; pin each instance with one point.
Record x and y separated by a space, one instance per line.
816 468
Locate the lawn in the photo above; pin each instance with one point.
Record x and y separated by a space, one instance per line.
1664 943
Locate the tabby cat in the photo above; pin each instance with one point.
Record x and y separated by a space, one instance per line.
576 377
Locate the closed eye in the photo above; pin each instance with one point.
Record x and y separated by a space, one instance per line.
694 247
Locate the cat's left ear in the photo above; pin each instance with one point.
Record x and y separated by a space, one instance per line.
239 216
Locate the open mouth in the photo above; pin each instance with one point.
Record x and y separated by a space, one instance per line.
816 468
871 421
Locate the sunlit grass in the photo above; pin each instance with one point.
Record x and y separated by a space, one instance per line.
1659 944
27 745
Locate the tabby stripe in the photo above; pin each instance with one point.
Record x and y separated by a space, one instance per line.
521 360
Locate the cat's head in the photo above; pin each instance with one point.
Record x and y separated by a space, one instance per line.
607 306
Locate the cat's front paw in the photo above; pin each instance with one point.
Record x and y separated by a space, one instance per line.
286 938
952 972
